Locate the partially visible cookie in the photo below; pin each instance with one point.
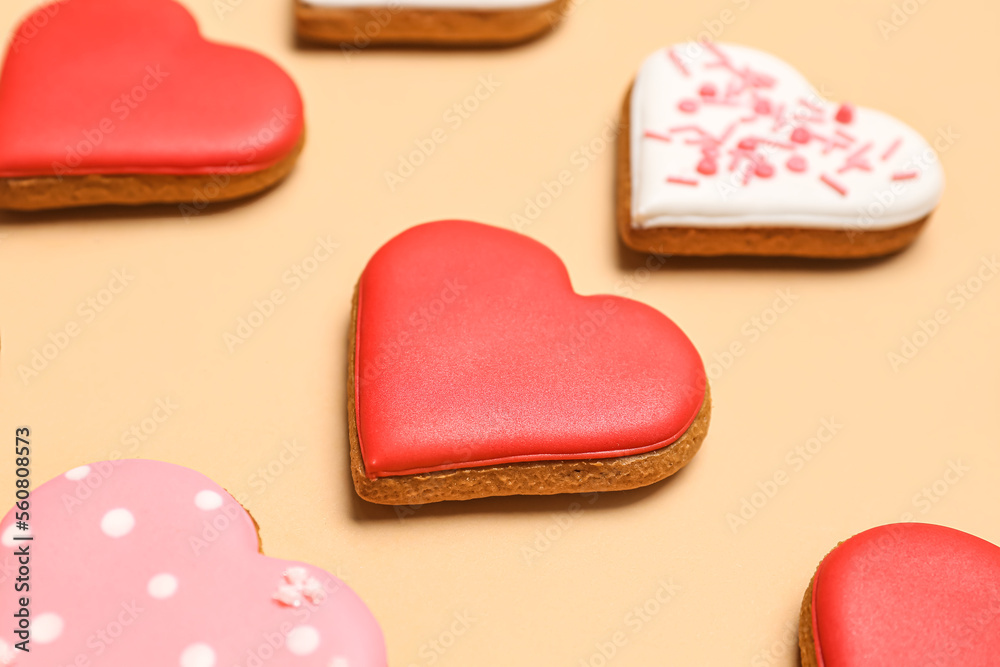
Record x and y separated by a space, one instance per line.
726 150
477 371
904 595
134 562
355 24
124 102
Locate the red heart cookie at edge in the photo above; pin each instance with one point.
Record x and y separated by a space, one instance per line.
477 371
121 101
904 595
730 150
147 563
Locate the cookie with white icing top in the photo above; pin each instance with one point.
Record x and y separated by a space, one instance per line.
147 563
726 150
357 24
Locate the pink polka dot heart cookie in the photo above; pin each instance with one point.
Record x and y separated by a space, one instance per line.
904 595
726 150
148 563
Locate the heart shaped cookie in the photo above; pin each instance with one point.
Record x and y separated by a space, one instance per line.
124 102
357 24
904 595
130 563
728 150
476 371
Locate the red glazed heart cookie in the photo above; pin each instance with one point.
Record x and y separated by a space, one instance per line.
147 563
124 102
904 595
476 371
727 150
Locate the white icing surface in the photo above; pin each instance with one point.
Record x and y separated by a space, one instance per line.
198 655
208 500
46 628
76 474
429 4
162 586
118 523
873 199
303 640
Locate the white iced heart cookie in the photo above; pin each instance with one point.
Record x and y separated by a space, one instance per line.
356 24
729 150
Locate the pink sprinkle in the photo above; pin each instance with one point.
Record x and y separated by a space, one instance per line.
688 106
649 134
763 107
809 105
748 144
892 149
840 189
707 90
680 63
905 176
707 167
844 135
764 170
801 135
845 114
797 163
687 128
681 181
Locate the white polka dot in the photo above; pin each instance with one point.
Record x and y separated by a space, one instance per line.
46 628
162 586
7 539
208 500
198 655
76 474
303 640
118 522
339 662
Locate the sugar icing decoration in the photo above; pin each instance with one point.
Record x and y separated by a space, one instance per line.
142 550
547 340
133 88
297 587
722 134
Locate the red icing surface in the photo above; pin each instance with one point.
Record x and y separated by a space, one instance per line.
908 595
123 86
472 349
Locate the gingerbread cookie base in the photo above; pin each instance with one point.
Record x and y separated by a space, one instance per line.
407 26
515 479
762 240
807 645
39 193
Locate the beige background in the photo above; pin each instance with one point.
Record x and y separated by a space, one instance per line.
825 358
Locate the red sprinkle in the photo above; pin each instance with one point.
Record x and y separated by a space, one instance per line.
797 163
708 167
688 106
845 114
681 181
748 144
763 107
801 135
905 176
841 190
708 90
764 170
